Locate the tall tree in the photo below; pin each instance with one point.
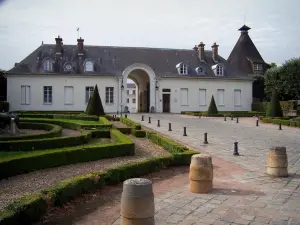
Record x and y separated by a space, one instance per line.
274 108
95 106
212 109
285 80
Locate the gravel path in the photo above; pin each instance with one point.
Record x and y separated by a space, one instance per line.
17 186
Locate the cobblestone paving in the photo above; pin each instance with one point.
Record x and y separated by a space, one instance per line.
267 200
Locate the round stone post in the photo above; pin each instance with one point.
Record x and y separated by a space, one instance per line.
201 173
137 202
184 131
158 123
257 121
170 127
224 118
205 139
149 120
142 117
13 126
237 120
277 164
125 115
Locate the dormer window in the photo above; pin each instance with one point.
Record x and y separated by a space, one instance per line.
89 66
200 70
218 69
258 66
182 69
48 65
68 67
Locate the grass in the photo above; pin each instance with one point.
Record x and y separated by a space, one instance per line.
4 156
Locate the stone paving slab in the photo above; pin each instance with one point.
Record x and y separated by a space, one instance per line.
267 200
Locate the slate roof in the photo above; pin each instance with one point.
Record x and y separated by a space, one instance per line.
111 60
245 53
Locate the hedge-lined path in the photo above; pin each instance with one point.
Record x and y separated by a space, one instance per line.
18 186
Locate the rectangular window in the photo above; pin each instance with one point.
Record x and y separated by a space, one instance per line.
47 94
166 90
25 95
184 96
202 96
220 97
109 95
257 66
133 100
127 100
88 93
133 92
237 97
69 95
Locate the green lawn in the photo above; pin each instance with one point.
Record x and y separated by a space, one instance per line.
79 122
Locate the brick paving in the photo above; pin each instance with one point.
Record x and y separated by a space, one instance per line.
263 200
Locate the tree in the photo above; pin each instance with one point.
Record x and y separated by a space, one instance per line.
274 108
273 65
95 106
212 109
285 80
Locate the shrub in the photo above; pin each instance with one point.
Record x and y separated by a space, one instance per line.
95 106
54 131
138 133
212 109
105 122
70 188
4 106
25 210
274 109
130 123
76 117
45 143
37 160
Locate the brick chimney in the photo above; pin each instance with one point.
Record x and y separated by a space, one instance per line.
58 46
80 46
201 51
215 51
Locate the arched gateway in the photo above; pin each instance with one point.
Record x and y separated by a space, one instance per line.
146 91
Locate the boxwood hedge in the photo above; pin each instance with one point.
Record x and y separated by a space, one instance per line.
54 131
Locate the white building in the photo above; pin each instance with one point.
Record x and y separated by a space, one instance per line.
131 102
62 77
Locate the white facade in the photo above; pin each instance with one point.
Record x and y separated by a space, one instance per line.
131 99
71 92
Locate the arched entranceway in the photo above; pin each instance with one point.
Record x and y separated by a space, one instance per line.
145 80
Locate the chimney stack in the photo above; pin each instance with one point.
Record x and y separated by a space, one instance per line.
201 51
215 51
58 46
80 46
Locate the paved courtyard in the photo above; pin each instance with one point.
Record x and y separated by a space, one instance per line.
248 197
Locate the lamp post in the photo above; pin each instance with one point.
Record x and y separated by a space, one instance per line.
122 89
156 90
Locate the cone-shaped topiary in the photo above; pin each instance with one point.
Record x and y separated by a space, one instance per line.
274 108
212 109
95 106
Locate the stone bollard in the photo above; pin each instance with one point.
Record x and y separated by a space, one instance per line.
142 117
13 126
170 127
237 120
231 117
137 202
224 118
201 173
149 120
125 115
277 164
184 131
205 139
158 123
236 148
279 127
257 121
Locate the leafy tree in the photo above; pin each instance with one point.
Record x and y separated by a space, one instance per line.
212 109
285 80
274 108
273 65
95 106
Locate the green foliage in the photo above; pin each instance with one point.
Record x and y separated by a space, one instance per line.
130 123
25 210
226 113
138 133
274 109
95 106
285 122
212 109
54 131
70 188
69 124
4 106
45 143
285 80
58 157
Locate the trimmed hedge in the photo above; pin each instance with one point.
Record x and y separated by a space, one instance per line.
285 105
138 133
130 123
25 210
49 112
45 143
285 122
54 131
4 106
105 122
69 124
59 157
226 113
70 188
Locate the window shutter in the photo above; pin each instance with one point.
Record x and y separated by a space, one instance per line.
202 95
220 96
237 97
184 96
68 95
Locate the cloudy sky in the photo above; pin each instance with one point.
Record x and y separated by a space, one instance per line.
24 24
